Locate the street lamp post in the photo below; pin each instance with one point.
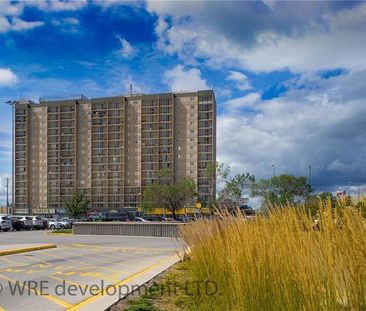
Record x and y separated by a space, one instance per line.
12 103
309 175
7 194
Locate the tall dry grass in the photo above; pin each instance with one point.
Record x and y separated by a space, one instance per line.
281 262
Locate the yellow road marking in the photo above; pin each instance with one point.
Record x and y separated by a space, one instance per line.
47 264
137 264
100 261
122 247
114 263
13 270
111 278
98 275
101 293
59 234
48 297
63 267
68 282
114 257
13 262
42 264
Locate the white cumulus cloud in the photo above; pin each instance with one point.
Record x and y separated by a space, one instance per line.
241 80
322 127
295 36
58 5
179 79
7 77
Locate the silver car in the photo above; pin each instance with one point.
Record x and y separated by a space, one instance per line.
37 222
54 224
65 222
5 223
27 222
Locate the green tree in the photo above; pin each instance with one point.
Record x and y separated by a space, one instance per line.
218 170
235 188
281 189
220 173
170 196
232 189
325 197
77 206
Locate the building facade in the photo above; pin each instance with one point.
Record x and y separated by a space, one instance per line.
110 148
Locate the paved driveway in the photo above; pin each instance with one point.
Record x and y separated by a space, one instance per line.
83 272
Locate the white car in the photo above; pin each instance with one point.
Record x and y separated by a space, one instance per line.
37 222
54 224
65 222
140 219
5 223
27 222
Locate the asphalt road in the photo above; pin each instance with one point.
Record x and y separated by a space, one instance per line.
77 271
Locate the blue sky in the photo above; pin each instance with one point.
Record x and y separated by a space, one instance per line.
288 76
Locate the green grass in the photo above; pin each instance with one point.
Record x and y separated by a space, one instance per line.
161 295
62 231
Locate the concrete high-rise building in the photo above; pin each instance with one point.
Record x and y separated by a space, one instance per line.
110 148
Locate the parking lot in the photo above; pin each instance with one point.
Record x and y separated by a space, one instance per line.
80 272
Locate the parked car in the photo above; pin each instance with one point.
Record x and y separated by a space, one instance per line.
37 222
16 223
45 223
140 219
5 223
170 219
65 222
27 222
54 224
153 218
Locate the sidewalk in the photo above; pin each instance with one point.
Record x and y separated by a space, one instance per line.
22 248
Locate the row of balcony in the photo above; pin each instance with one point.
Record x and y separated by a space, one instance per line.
61 117
110 129
157 111
155 103
111 160
156 127
205 116
110 152
205 107
157 119
62 109
106 106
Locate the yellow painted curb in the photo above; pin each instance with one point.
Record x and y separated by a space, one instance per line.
26 249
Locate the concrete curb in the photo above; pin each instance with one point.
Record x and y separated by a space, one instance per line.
26 249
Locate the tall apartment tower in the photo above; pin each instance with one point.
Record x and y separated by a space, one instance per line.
110 148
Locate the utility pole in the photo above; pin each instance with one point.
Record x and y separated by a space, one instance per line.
7 193
274 170
309 175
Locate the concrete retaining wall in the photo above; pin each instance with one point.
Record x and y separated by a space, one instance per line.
157 229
